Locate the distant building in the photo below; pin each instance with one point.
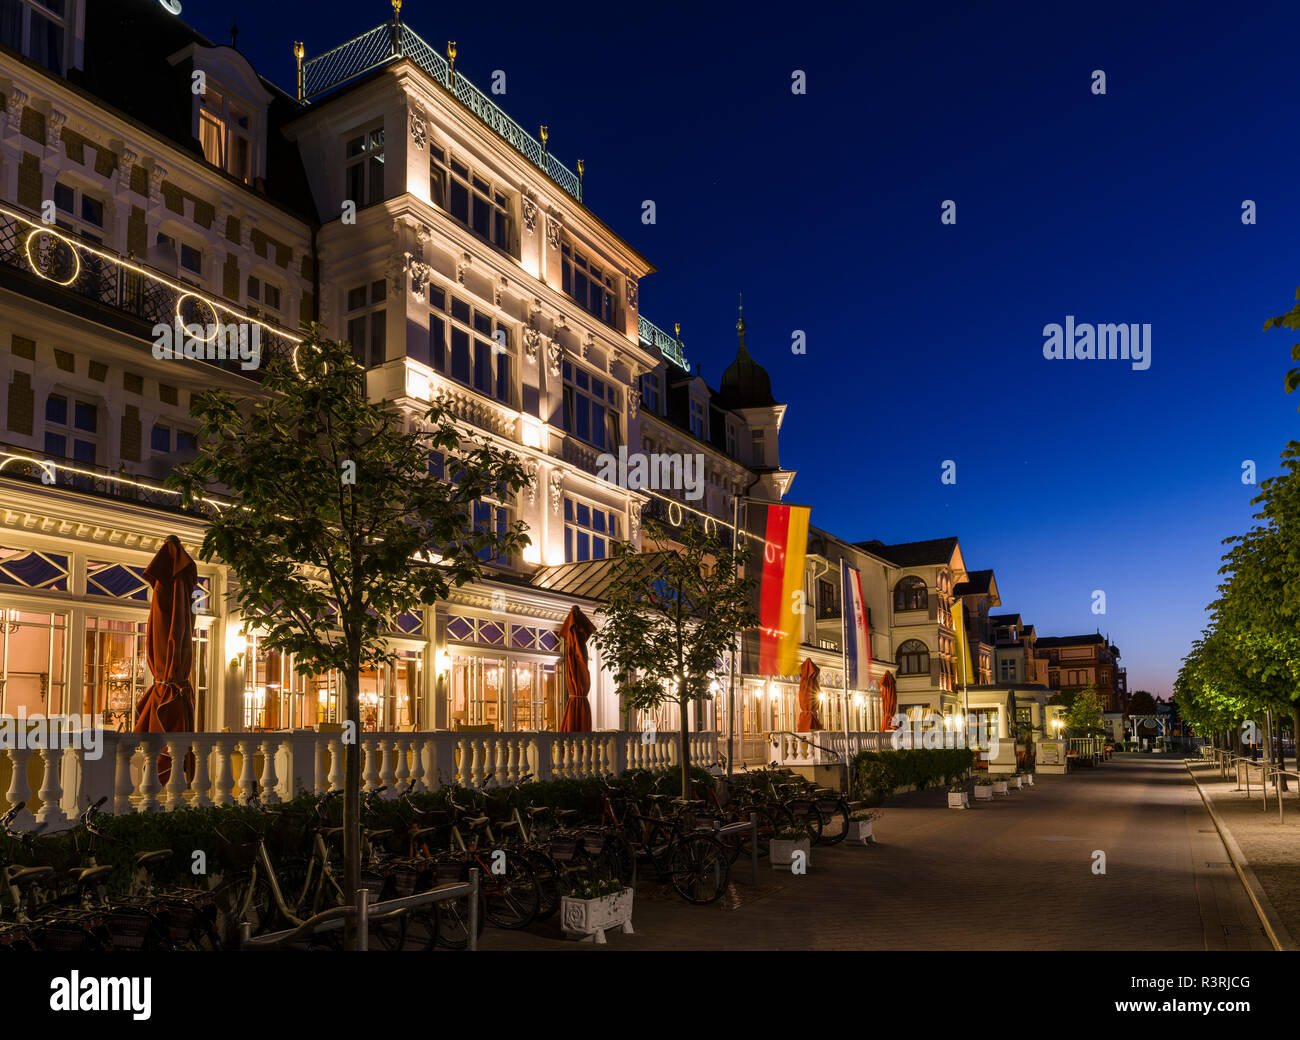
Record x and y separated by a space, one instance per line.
1076 662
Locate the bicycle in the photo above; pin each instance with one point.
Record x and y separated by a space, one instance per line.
692 861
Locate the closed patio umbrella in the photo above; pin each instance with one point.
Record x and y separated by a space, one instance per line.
888 701
808 689
575 632
168 705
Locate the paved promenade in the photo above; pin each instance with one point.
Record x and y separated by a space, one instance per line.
1014 874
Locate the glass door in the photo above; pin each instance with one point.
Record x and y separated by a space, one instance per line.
116 675
33 662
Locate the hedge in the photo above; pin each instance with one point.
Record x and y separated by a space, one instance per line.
886 771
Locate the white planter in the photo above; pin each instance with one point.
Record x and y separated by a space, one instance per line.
1029 779
999 787
590 918
1015 781
957 801
782 852
983 792
859 833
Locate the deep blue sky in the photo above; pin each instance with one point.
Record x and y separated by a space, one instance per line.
925 341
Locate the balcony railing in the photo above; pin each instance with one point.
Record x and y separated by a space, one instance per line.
390 41
54 258
669 346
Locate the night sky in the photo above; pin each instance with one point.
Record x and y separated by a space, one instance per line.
925 341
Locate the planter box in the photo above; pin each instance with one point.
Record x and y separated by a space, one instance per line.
1015 782
1029 779
782 852
957 801
983 792
859 833
999 787
590 918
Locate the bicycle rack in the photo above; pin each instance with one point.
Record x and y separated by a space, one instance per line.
336 917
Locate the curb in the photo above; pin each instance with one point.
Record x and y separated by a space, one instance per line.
1273 927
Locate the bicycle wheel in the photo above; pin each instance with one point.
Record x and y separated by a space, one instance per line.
453 914
549 886
835 820
807 816
231 898
422 928
772 819
513 897
697 868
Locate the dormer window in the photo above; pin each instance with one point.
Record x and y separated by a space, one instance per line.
226 134
588 283
470 198
699 427
364 164
36 28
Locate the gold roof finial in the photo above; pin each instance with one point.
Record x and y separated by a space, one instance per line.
545 135
299 50
451 51
581 167
740 324
397 9
677 329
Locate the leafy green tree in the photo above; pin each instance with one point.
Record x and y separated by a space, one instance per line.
670 617
1084 717
335 525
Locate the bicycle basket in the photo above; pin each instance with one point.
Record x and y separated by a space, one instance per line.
64 937
289 835
380 886
593 843
234 855
449 872
563 850
128 930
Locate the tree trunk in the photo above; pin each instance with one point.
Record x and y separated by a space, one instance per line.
684 743
352 795
1295 733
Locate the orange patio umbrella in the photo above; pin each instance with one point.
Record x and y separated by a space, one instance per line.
888 701
808 689
575 632
168 705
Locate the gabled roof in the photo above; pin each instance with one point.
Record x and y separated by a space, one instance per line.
913 554
1050 642
1007 619
976 584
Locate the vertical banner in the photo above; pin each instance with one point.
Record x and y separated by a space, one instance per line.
858 644
963 651
778 541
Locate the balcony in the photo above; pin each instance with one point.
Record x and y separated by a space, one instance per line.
55 266
391 41
669 346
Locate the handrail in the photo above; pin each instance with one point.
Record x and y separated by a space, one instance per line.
799 736
335 917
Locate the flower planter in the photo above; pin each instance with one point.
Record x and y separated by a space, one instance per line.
983 792
1015 782
999 787
782 852
859 833
1029 779
957 800
590 918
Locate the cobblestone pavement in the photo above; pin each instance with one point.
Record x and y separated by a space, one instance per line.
1013 874
1272 848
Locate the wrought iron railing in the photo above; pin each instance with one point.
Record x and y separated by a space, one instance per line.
669 346
386 42
66 263
49 471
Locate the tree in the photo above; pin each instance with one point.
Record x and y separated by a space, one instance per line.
1140 704
335 525
670 617
1083 719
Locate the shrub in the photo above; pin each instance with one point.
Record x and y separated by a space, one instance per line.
886 771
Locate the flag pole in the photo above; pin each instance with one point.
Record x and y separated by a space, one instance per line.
731 683
844 664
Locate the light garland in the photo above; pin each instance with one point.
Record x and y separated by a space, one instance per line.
214 324
46 465
76 272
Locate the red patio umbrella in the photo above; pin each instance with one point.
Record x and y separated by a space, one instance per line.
808 689
168 705
888 701
575 632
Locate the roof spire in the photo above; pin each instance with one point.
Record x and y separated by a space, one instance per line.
234 35
740 324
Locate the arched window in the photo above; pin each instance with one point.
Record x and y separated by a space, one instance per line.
910 594
913 658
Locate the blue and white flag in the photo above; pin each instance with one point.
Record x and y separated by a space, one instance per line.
858 641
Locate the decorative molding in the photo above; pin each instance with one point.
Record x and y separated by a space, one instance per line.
419 129
528 202
464 262
531 468
500 291
16 102
157 174
588 345
126 159
633 400
553 354
632 292
553 231
557 482
54 123
419 273
532 339
467 597
634 520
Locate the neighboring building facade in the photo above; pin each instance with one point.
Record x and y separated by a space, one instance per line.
1075 662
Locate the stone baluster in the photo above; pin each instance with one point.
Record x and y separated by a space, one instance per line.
175 789
18 789
247 777
388 767
200 796
225 785
51 793
402 767
475 772
504 747
123 787
419 752
374 752
335 748
149 783
270 779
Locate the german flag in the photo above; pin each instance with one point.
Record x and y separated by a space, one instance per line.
778 539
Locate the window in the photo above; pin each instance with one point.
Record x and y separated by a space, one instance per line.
1008 670
35 28
260 292
757 447
191 259
364 168
699 427
913 658
589 531
1054 680
186 441
366 322
226 134
471 199
78 212
71 428
733 441
588 284
650 392
910 594
491 517
468 345
1103 677
161 438
590 408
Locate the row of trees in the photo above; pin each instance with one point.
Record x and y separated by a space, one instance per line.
1243 674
